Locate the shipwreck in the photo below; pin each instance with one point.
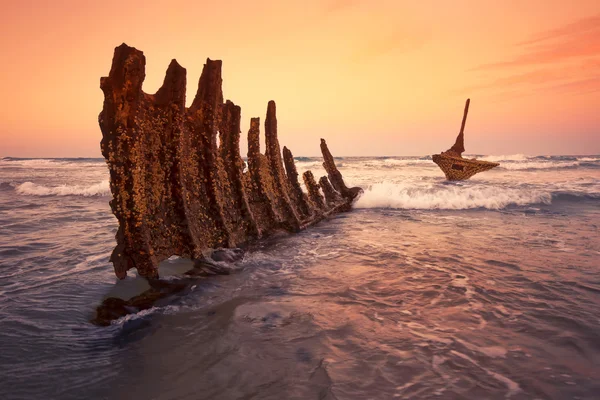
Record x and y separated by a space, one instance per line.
180 185
451 161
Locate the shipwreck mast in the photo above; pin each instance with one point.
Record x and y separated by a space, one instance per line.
459 145
451 162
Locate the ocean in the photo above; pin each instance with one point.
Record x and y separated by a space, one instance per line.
482 289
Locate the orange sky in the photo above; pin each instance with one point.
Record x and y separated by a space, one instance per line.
373 77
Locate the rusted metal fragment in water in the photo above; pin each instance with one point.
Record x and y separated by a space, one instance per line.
451 162
458 168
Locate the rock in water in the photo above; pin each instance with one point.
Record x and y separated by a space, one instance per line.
176 191
451 162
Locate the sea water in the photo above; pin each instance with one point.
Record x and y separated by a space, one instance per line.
483 289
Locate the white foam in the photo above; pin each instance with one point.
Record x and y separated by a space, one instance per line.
170 309
304 165
49 163
33 189
512 157
588 159
405 196
539 165
394 161
490 351
512 386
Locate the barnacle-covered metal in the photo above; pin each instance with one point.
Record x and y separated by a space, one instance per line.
177 177
451 161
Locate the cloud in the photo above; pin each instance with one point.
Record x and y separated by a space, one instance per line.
574 40
570 87
583 25
540 76
565 60
581 86
582 45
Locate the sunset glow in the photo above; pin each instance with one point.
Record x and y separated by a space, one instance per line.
373 77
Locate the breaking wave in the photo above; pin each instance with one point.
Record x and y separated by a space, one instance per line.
514 162
539 165
512 157
304 165
588 159
45 163
399 196
395 161
33 189
523 162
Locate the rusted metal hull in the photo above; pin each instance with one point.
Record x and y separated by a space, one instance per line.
177 190
459 169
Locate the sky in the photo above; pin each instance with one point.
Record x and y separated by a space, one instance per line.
375 78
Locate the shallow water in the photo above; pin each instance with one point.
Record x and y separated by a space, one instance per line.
485 289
